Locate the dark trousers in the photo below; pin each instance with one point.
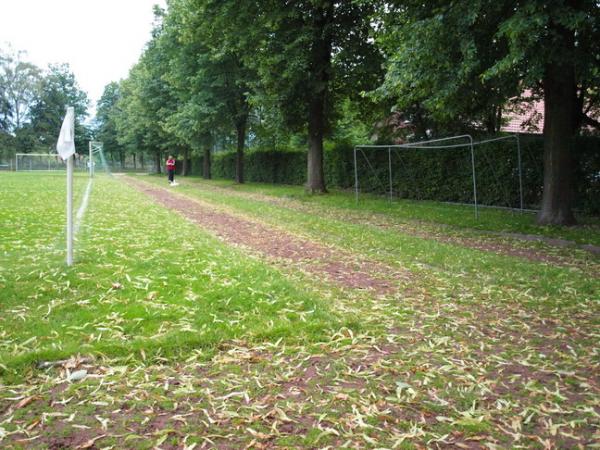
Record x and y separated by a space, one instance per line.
171 175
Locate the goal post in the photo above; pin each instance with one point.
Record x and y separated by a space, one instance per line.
381 155
95 157
94 147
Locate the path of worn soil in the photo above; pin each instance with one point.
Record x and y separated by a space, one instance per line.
344 269
503 243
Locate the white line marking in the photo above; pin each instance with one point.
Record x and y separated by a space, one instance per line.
83 206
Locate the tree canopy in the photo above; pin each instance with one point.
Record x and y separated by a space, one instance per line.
237 73
33 102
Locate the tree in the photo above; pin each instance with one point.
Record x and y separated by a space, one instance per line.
136 122
457 60
58 89
435 55
556 47
210 74
305 53
19 83
106 117
197 116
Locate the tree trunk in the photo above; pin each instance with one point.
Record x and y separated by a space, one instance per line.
320 69
206 164
122 159
142 160
185 167
239 157
559 130
158 161
315 174
493 120
134 163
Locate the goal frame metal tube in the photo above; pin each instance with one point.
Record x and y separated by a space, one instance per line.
471 144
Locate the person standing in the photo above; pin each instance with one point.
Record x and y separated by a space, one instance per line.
171 169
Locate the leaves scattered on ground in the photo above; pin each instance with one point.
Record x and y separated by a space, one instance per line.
498 358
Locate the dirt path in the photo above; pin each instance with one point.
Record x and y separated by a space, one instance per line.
524 246
340 267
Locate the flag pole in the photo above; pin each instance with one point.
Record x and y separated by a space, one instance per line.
70 210
66 149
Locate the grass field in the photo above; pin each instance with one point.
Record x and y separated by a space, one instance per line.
489 339
144 280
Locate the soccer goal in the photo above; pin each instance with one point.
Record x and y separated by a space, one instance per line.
454 170
96 159
45 162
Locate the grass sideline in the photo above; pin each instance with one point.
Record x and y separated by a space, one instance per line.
433 261
403 210
145 281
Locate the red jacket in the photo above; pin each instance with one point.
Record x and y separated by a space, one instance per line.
170 164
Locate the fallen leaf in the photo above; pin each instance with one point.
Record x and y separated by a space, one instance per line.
26 401
90 443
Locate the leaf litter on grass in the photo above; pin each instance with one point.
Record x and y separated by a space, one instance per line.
345 269
443 364
519 332
534 248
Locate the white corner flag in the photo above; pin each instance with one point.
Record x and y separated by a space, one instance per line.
66 149
66 140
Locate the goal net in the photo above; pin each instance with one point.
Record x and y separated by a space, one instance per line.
46 162
453 170
96 159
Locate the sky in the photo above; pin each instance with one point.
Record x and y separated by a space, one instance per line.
99 39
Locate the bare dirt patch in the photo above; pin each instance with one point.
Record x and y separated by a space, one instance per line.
342 268
530 247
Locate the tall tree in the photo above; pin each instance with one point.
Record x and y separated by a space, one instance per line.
308 51
210 69
556 47
136 118
148 101
453 56
19 84
58 89
435 55
106 117
195 117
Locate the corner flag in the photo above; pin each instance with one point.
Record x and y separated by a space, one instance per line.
66 140
66 149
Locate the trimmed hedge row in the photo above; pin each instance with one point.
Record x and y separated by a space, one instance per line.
443 175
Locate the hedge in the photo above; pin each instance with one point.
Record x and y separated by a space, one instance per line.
443 175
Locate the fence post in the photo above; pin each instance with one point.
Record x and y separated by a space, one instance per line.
390 174
474 178
520 172
355 177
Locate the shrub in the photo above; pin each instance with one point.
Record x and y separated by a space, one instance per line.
424 174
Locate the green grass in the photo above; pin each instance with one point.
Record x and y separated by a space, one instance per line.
460 216
144 280
452 266
203 339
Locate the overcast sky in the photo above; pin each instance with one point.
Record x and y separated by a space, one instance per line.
99 39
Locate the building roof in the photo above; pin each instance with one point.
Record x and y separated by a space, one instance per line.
524 115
